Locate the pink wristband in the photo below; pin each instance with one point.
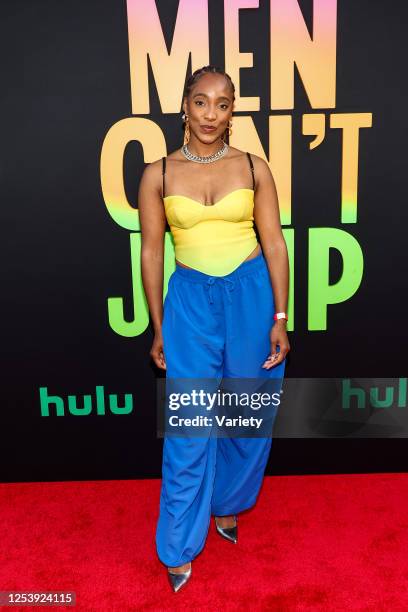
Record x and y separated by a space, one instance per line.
280 315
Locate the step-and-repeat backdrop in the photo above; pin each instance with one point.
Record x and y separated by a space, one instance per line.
91 93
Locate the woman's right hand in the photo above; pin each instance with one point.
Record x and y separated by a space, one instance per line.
157 351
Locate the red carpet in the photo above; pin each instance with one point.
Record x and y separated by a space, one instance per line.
337 542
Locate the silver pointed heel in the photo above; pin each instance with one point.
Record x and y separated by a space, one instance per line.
178 580
229 533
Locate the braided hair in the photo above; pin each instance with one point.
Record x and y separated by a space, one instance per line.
197 74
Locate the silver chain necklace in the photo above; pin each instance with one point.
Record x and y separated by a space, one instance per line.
207 159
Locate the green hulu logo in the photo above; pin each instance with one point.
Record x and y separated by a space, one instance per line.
388 395
88 405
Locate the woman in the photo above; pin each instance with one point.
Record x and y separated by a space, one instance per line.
225 310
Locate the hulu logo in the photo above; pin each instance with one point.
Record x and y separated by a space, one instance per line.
87 405
389 395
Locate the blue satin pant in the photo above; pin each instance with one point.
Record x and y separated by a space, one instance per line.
212 327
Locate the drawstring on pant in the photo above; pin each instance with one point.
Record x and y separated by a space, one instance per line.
228 284
209 285
229 288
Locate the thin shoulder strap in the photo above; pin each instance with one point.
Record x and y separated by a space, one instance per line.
252 170
163 172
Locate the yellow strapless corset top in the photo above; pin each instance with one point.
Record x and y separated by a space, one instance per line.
213 239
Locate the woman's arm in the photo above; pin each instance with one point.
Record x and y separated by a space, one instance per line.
153 225
267 220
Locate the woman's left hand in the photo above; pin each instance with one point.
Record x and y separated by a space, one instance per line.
278 335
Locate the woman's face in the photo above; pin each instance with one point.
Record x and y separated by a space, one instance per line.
210 103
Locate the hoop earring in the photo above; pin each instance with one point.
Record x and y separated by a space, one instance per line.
228 131
186 129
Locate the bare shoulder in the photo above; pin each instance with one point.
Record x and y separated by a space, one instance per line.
235 153
259 163
152 176
150 183
153 169
262 171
